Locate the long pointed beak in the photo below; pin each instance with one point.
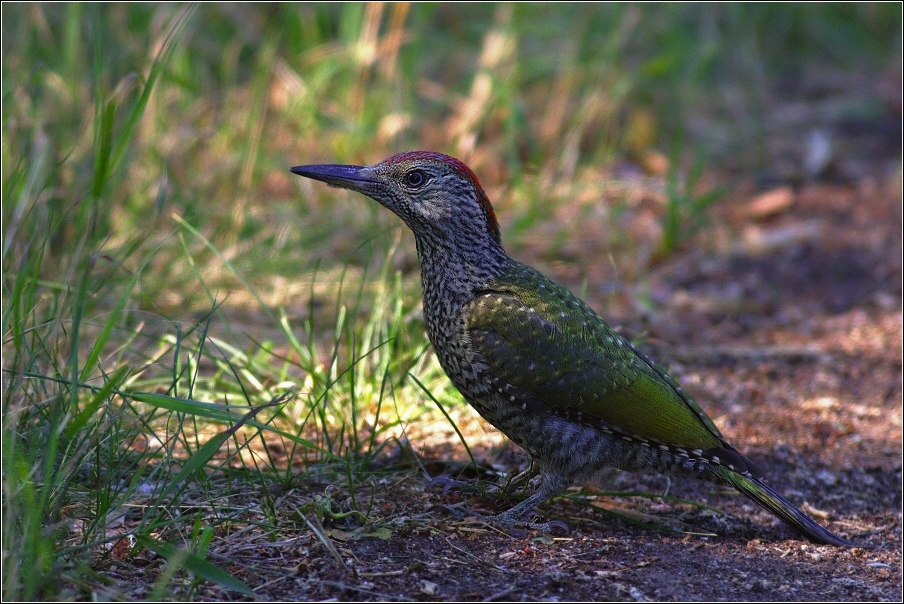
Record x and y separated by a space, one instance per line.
355 178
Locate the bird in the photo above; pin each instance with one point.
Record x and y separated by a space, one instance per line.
536 361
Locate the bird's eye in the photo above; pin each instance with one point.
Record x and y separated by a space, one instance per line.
415 179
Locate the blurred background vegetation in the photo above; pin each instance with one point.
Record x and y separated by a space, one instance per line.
154 240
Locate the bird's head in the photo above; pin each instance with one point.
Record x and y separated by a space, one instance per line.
436 195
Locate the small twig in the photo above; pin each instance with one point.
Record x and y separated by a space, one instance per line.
473 557
314 524
385 573
500 594
381 597
256 545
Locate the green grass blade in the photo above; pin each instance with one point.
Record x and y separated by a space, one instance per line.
195 564
220 413
443 411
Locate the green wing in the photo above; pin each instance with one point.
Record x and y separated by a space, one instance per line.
550 345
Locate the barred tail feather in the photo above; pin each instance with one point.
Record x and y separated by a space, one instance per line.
768 499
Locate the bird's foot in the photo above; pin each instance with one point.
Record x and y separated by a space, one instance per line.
507 520
514 518
551 526
459 512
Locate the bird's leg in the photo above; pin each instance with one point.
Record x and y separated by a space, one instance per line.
551 485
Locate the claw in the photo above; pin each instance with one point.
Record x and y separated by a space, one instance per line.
514 518
553 526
